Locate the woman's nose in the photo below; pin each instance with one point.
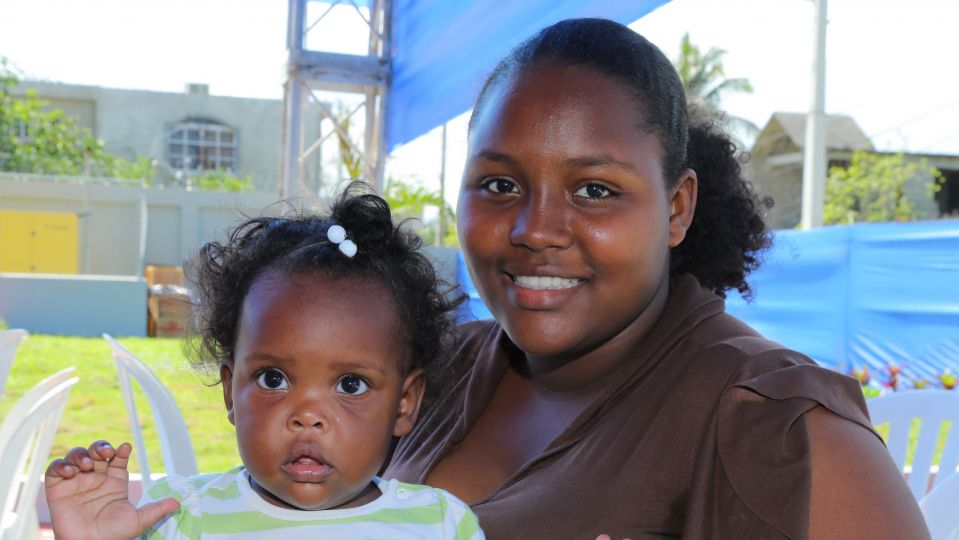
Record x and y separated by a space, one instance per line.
541 223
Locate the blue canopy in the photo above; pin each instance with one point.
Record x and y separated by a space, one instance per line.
443 50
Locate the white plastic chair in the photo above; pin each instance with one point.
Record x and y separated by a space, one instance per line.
25 440
940 507
932 408
9 341
175 444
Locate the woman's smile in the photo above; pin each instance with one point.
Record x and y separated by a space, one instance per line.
542 292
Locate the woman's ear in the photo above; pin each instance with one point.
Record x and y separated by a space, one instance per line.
226 379
411 397
682 206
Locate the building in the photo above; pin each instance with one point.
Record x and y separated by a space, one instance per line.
776 159
186 133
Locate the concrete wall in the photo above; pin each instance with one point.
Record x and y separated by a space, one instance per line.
109 295
136 123
110 225
74 305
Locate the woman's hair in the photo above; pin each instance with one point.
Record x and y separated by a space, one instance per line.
387 254
728 232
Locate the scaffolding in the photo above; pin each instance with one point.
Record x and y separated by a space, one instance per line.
310 71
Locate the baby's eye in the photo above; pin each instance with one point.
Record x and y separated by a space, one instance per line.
593 190
272 379
500 185
352 385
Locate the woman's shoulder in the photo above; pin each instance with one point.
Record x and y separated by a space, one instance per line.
763 438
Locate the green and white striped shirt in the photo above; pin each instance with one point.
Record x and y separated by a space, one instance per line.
225 506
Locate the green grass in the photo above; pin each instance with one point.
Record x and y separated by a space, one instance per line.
95 407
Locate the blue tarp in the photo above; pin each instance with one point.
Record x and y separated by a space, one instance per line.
443 50
865 295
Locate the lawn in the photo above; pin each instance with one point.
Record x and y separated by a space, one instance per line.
95 408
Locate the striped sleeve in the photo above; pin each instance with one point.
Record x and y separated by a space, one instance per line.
179 525
459 522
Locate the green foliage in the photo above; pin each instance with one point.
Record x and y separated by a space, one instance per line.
704 79
873 188
406 199
409 201
222 181
350 159
39 140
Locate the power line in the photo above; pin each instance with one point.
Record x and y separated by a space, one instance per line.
914 119
943 139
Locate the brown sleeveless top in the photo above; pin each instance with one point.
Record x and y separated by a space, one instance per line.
702 436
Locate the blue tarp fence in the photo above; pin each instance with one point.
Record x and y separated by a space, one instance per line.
870 294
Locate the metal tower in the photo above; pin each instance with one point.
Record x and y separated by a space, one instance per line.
310 71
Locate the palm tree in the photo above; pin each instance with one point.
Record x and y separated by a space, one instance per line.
705 82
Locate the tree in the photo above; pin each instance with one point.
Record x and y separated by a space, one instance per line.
35 139
409 201
705 82
406 199
874 188
218 180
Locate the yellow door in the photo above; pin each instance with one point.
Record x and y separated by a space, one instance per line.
39 242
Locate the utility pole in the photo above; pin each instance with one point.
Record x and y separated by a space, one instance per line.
814 155
442 233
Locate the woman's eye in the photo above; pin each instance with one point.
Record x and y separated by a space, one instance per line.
593 191
352 385
272 379
500 185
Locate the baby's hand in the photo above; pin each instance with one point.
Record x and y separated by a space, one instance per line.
87 494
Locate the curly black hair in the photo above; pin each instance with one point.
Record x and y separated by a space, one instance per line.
728 233
388 254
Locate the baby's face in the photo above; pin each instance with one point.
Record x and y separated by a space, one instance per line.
316 389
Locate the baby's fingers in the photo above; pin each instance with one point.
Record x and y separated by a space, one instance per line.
121 457
59 469
101 451
79 458
152 512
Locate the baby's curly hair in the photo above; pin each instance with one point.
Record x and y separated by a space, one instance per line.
388 254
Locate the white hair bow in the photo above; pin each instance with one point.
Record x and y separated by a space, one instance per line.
337 235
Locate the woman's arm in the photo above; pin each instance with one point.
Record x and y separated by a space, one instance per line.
857 490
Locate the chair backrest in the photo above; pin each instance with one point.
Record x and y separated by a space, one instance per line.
931 408
940 507
9 341
25 440
175 443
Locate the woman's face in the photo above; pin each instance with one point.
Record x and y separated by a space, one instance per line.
564 215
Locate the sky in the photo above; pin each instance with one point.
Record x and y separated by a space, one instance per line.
890 63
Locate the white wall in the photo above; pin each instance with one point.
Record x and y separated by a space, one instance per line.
109 226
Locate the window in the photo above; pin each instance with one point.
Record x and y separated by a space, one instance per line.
201 145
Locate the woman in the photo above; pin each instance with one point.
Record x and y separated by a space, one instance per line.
612 394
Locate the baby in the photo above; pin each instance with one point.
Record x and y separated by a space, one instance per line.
324 331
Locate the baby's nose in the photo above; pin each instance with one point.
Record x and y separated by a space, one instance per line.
307 415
